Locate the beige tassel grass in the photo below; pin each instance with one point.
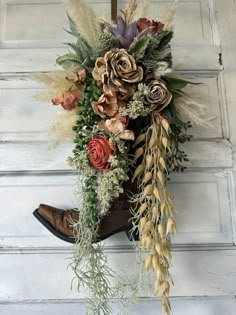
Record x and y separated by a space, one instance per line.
86 20
56 84
61 128
154 213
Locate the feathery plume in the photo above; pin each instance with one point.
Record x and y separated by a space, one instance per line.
61 128
86 20
55 82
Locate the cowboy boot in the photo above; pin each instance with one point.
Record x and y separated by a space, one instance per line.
59 222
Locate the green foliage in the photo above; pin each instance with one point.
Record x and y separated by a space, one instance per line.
106 42
69 62
73 27
177 83
177 158
138 48
82 51
155 52
89 261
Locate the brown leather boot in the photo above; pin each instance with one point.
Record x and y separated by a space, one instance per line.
59 222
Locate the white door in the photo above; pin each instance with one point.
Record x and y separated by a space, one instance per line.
33 275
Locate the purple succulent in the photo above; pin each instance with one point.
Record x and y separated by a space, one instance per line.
125 32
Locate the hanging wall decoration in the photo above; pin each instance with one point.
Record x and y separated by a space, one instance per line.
122 104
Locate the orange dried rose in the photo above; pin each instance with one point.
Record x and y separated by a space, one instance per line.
99 151
68 99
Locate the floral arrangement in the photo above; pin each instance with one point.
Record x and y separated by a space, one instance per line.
122 106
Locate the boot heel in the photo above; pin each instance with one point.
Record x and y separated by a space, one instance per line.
132 236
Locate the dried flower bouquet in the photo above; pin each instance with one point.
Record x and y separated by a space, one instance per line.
122 106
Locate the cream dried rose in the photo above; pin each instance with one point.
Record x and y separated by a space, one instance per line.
115 70
159 96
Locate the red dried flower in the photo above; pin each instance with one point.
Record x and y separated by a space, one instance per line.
153 26
99 150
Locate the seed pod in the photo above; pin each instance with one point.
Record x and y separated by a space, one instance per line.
165 124
147 177
156 193
143 242
148 262
161 272
165 142
164 289
163 205
148 242
147 190
142 223
156 287
138 171
142 208
152 141
149 227
149 161
155 262
162 162
166 309
166 252
155 214
158 248
139 152
160 177
139 139
170 226
160 230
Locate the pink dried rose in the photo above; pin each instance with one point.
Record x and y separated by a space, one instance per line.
152 26
99 151
68 99
107 105
117 126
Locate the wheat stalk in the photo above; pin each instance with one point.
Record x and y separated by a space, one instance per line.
86 20
154 211
130 11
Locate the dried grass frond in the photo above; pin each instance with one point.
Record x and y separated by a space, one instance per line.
168 17
55 82
61 128
130 11
194 111
144 8
86 20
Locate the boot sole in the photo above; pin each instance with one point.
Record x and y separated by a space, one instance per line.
71 240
